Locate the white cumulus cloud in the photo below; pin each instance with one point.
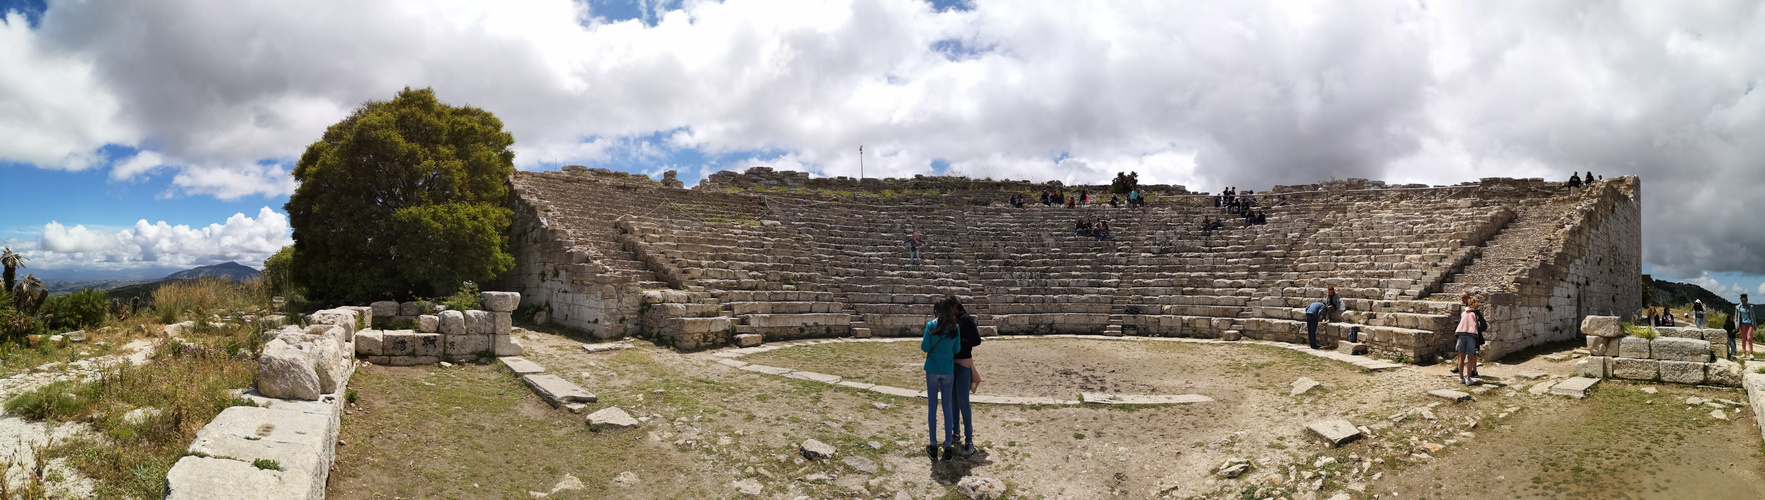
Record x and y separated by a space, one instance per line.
242 239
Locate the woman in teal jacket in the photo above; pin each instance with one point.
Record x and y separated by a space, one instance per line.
940 344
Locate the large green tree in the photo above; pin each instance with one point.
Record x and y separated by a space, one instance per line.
403 198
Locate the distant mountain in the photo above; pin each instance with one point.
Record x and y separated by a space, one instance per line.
133 274
226 270
1670 294
65 287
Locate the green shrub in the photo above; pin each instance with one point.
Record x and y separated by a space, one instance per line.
266 464
465 299
1640 331
55 400
79 310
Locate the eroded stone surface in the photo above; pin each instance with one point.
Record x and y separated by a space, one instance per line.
1334 431
1575 387
557 391
611 418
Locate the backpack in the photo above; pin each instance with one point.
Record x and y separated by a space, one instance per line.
1482 326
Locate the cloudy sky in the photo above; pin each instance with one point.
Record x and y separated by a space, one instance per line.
163 133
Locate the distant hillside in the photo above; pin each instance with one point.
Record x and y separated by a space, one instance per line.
226 270
1670 294
66 287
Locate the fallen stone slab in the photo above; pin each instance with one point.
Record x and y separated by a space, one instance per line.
1351 348
1530 374
812 376
556 391
607 347
770 370
1575 387
1450 395
733 362
889 390
521 366
859 385
815 450
1136 399
747 340
1335 431
611 417
202 478
1303 385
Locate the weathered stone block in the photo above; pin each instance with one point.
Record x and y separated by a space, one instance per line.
507 346
1718 339
426 345
501 301
1680 349
1723 372
384 309
1602 346
468 345
1602 326
1633 347
747 340
452 323
286 372
554 390
1635 368
368 343
1336 432
1575 387
327 355
428 323
1593 366
409 309
1682 372
398 343
611 418
502 323
480 323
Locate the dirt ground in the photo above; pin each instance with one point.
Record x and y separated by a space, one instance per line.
474 432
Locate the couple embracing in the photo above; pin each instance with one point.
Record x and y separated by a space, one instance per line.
950 375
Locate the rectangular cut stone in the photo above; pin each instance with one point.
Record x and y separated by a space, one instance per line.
795 320
398 343
521 366
1754 383
508 346
854 385
1575 387
818 377
1593 366
428 323
411 360
1633 347
469 345
1347 347
1602 346
747 340
500 301
1138 399
1336 432
384 309
452 323
773 370
606 347
1718 339
1680 349
1681 332
1602 326
557 391
1682 372
861 333
409 309
1450 395
368 343
1635 369
480 323
893 391
426 344
1723 372
503 323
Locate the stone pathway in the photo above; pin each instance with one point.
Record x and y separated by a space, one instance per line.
731 357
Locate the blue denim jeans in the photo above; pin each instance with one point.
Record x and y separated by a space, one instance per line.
939 387
1311 330
913 255
964 379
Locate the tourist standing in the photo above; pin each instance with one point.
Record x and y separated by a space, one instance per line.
967 377
913 243
1743 325
1697 312
940 344
1468 330
1313 314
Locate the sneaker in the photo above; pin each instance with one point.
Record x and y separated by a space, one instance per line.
967 449
931 450
949 453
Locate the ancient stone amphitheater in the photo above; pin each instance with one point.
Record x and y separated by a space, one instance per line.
787 256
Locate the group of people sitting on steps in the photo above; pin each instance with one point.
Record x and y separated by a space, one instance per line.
1095 228
1576 181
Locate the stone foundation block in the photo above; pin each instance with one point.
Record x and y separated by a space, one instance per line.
503 323
1680 349
1680 332
1593 366
409 309
469 345
500 301
1602 326
747 340
1682 372
1347 347
452 323
480 323
398 343
368 343
1635 369
1718 339
1602 346
988 331
508 346
1723 372
427 344
411 360
384 309
1633 347
428 323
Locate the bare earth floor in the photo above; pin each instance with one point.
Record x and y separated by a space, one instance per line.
475 432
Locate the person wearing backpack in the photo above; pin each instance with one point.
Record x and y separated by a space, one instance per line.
1470 336
940 344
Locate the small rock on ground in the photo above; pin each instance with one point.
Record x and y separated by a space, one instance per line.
861 464
1303 385
980 488
747 487
626 479
813 449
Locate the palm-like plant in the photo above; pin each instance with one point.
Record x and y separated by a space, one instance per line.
30 294
13 261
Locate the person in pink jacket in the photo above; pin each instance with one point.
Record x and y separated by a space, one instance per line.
1467 338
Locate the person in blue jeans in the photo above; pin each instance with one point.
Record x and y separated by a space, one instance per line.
940 343
913 243
1313 314
968 378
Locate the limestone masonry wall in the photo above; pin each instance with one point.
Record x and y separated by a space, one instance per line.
779 255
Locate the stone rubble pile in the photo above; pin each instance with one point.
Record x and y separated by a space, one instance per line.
456 336
1681 355
305 363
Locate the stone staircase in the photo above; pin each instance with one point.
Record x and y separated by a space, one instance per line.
1518 247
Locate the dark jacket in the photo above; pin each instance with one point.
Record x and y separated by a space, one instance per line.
971 336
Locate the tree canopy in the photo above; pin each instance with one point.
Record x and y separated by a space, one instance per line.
1124 182
404 198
